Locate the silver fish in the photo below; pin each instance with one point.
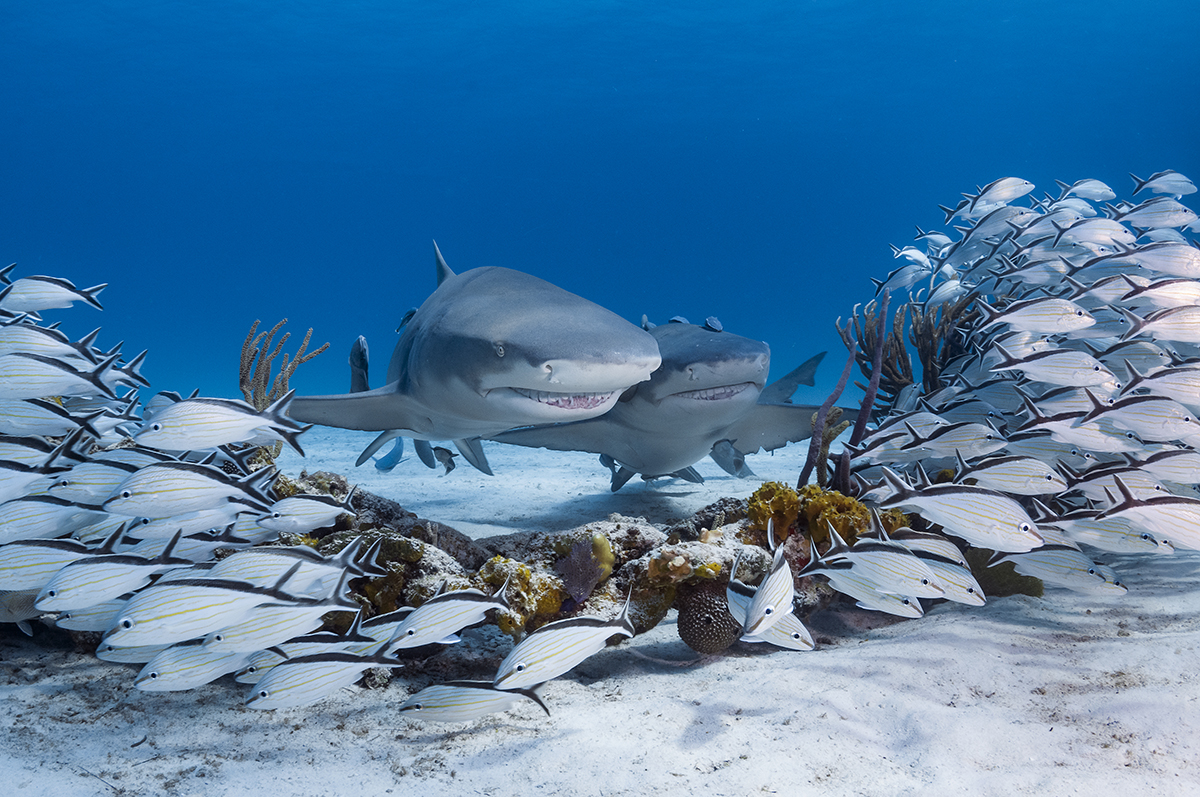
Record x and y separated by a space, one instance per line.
95 579
1043 315
1087 189
441 617
774 595
1016 475
28 376
557 647
982 517
35 293
43 517
306 679
273 623
204 423
300 514
186 666
463 701
164 489
176 611
1168 181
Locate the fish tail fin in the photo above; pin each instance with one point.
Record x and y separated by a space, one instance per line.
997 558
292 436
1138 185
4 272
89 295
950 212
1066 189
1061 228
900 488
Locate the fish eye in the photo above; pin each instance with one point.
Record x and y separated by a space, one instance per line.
52 593
263 693
153 675
412 632
126 493
276 515
924 582
796 635
127 623
905 602
519 668
156 427
1025 527
1079 313
417 706
218 638
1049 477
1091 571
1096 368
767 612
970 590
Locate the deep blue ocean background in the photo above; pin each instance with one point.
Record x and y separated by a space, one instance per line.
222 162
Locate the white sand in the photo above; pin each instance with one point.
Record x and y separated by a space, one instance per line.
1067 694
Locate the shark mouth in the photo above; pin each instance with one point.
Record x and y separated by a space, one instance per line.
716 393
567 401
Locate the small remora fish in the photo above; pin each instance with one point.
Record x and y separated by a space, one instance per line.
444 615
463 701
557 647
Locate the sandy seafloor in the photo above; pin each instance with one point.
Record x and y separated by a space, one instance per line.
1066 694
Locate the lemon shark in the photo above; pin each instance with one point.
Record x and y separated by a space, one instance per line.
708 397
489 350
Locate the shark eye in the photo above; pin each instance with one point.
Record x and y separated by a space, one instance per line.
499 349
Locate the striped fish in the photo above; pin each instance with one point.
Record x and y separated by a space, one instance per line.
1152 418
889 565
984 518
35 416
300 514
1167 181
91 482
35 293
30 564
44 517
139 654
786 632
175 611
1016 475
273 623
441 617
260 661
316 574
1043 315
17 607
196 424
1059 367
557 647
186 666
774 596
164 489
1175 324
28 376
95 579
955 579
463 701
306 679
842 578
1060 565
98 618
1170 517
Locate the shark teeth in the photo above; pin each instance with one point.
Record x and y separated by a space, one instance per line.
715 393
567 401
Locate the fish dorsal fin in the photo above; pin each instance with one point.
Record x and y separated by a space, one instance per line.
368 564
878 527
286 576
114 539
443 271
169 548
838 545
501 595
345 557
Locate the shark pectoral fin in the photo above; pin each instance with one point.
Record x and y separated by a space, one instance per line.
771 426
425 453
376 410
594 436
780 391
689 474
472 451
731 460
620 476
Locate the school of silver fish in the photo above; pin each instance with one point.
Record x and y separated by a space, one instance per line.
1070 427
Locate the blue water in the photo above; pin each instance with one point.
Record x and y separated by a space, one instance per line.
221 162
